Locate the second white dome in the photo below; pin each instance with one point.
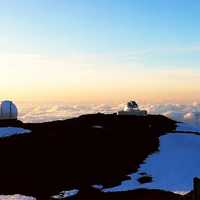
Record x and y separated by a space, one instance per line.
8 110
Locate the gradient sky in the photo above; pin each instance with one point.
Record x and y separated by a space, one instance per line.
100 50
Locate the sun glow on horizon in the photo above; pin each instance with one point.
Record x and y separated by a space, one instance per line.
99 51
72 80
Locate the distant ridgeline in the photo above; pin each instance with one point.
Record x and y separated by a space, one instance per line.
76 153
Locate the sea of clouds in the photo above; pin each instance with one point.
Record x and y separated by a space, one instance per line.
40 112
189 113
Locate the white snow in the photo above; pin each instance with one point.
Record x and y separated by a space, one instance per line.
67 193
9 131
70 193
173 168
98 186
15 197
97 126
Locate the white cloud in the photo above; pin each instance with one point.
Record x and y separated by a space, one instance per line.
39 112
189 113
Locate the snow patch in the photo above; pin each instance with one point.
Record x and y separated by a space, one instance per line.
67 193
9 131
97 126
15 197
99 187
173 168
181 192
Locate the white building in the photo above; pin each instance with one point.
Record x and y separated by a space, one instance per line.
132 109
8 110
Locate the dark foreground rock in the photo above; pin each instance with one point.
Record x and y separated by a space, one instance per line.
77 153
145 179
140 194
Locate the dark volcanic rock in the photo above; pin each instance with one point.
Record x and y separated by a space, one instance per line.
76 153
145 179
10 122
143 173
140 194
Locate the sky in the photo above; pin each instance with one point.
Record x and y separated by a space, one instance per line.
100 50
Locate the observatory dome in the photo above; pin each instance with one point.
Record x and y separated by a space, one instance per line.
131 106
8 110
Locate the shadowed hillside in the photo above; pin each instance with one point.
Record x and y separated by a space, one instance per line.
77 153
140 194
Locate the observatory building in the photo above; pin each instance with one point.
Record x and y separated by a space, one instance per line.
132 108
8 110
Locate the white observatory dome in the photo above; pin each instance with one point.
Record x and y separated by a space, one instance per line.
8 110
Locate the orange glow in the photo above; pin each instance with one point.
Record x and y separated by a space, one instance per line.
36 78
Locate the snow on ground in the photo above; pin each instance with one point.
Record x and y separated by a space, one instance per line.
67 193
15 197
9 131
173 168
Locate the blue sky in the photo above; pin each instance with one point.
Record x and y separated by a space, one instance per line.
100 26
106 36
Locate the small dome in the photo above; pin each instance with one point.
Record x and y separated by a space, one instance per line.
8 110
131 105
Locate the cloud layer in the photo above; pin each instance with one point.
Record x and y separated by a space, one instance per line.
30 112
189 113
